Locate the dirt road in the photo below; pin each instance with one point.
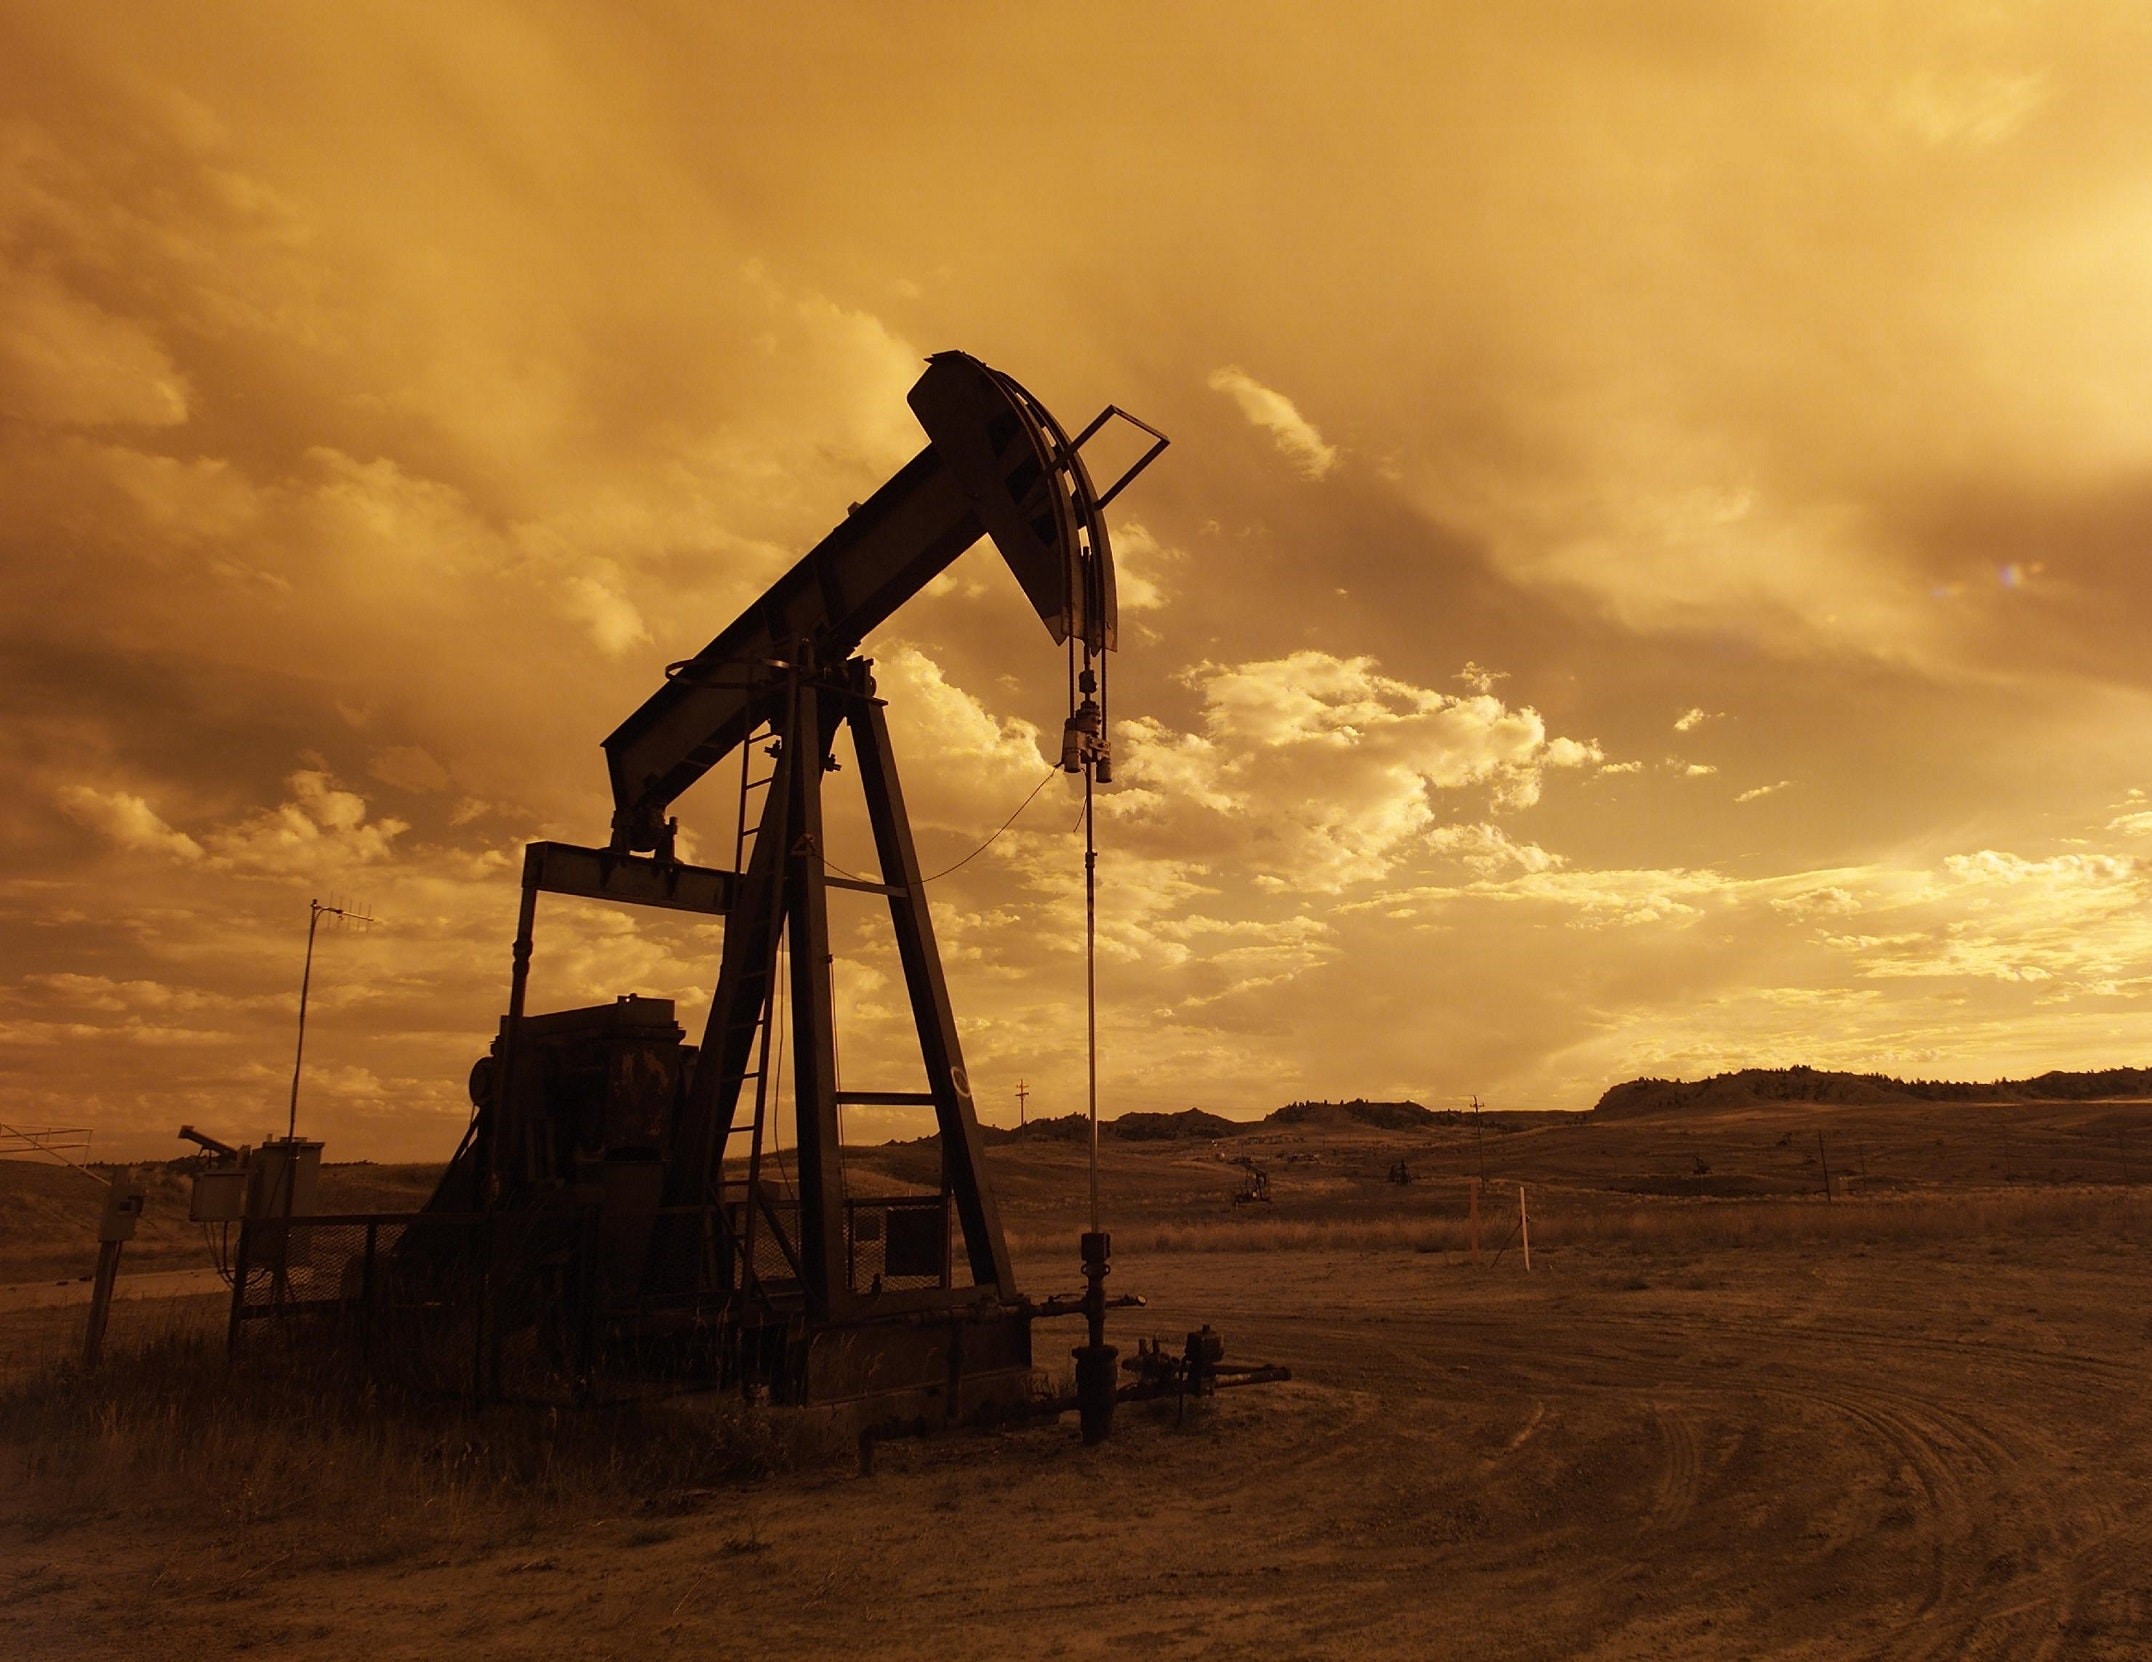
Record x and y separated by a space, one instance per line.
1934 1451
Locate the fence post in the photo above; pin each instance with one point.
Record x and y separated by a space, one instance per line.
482 1314
108 1269
366 1298
1524 1229
239 1290
587 1299
1824 1154
1474 1182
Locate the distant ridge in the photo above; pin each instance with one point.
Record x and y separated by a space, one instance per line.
1384 1116
1199 1124
1757 1087
1189 1122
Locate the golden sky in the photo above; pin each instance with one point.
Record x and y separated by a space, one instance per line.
1650 575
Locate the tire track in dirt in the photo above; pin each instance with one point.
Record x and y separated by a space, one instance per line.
2034 1508
1997 1463
1979 1479
1681 1471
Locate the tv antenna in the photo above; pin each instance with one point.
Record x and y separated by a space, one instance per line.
316 911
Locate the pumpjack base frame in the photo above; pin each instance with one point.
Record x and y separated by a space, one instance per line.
727 1278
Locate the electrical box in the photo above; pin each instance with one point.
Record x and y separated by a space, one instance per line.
123 1209
283 1178
219 1195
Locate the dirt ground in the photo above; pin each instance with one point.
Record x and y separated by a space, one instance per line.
1919 1432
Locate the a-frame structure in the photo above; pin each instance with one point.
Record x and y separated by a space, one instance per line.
807 1289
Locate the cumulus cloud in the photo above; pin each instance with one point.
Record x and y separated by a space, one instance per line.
1139 560
126 820
66 362
322 826
1692 718
1327 772
1488 848
959 758
1590 899
609 615
1292 432
1828 900
408 767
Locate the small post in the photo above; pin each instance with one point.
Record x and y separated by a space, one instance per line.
1524 1229
1475 1189
1479 1153
123 1205
366 1296
1825 1155
242 1267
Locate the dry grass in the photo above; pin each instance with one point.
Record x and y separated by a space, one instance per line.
1562 1218
282 1448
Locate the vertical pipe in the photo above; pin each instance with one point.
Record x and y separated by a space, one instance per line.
1095 1371
1090 983
519 976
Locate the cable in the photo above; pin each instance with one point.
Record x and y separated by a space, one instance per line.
830 865
996 837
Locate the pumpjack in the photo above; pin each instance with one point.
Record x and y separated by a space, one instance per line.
712 1255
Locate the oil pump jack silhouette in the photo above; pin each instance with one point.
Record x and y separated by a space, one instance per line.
711 1257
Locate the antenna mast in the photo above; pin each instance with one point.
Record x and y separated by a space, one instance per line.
316 912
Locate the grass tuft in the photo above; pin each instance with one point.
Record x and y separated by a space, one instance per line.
285 1446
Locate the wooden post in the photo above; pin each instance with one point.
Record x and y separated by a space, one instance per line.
1824 1155
123 1205
1475 1223
1524 1229
108 1269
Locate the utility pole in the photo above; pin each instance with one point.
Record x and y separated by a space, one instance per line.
317 911
1023 1094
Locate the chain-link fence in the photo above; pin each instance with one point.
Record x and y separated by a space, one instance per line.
491 1305
562 1304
